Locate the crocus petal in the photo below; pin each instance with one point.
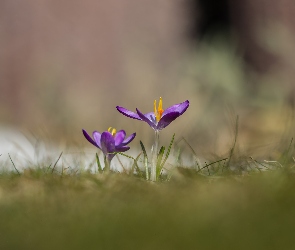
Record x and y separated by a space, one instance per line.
128 139
145 119
119 137
87 136
122 149
180 108
151 117
107 143
167 119
97 136
128 113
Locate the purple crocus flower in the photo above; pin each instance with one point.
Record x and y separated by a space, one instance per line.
110 141
160 118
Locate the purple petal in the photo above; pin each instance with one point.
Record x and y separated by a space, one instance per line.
122 149
107 143
151 117
128 113
128 139
119 137
89 138
179 108
167 119
146 118
97 136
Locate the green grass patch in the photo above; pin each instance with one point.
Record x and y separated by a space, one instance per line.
41 210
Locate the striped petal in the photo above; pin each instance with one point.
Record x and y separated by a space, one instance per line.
147 119
128 113
179 108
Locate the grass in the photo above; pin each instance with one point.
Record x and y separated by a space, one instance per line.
41 210
230 202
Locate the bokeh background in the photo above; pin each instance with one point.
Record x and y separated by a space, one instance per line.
66 65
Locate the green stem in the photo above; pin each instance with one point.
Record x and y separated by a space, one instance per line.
107 165
146 168
155 157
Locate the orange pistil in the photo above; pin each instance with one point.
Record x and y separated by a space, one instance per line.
158 112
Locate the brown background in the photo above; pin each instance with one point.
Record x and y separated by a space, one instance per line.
66 66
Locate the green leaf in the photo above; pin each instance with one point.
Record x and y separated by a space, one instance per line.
145 160
98 164
168 151
136 165
143 149
160 156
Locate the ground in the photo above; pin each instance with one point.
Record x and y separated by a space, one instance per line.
41 210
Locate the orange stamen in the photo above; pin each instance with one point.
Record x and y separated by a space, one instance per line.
158 112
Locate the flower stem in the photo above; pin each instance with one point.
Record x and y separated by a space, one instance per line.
107 165
146 168
155 157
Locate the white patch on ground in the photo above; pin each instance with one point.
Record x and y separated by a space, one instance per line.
27 152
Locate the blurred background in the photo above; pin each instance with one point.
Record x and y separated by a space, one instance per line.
66 65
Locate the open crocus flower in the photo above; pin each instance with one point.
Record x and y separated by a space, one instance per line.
110 141
160 118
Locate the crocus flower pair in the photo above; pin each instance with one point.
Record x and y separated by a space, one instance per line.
111 142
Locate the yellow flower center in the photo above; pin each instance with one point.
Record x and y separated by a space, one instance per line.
113 131
158 112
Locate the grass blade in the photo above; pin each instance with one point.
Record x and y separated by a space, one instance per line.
168 151
98 164
120 162
135 165
56 162
160 156
145 161
13 164
207 165
285 158
143 149
235 141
